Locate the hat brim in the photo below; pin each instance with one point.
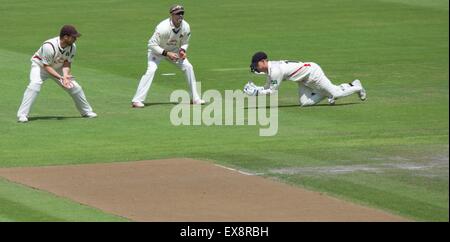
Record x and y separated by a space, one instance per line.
177 11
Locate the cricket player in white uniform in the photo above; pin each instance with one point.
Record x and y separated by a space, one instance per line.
314 86
169 41
53 60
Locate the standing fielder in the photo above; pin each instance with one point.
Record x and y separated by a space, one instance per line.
53 60
314 86
169 41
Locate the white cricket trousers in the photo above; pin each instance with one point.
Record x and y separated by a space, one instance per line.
147 78
37 77
317 87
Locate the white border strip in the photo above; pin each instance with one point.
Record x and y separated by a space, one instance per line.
242 172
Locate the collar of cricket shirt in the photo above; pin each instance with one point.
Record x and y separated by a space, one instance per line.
61 49
175 29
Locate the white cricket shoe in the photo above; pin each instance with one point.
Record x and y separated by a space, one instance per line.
362 94
90 115
137 105
22 119
198 102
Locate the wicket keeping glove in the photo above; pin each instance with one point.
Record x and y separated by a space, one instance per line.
251 89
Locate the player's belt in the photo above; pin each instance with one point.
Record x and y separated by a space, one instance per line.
296 71
37 57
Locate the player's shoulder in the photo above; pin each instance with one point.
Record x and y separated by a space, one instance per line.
53 41
275 68
186 25
276 65
163 25
50 44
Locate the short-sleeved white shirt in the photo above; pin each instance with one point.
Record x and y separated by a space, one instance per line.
51 53
278 71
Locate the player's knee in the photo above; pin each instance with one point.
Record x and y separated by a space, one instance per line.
76 85
335 92
35 87
75 89
151 69
187 67
304 102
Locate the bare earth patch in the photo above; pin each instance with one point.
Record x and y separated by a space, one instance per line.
188 190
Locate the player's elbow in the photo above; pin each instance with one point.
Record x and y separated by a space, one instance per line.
46 67
154 47
305 102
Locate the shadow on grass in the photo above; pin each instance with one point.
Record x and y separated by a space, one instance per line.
266 107
298 106
328 105
160 103
52 118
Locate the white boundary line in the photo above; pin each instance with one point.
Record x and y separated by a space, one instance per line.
242 172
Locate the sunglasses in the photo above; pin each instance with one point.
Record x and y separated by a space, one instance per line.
180 13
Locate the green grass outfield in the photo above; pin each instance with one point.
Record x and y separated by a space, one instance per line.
390 152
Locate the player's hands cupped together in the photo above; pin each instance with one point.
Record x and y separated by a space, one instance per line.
182 54
172 56
66 81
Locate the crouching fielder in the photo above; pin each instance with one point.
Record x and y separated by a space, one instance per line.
53 60
314 86
170 42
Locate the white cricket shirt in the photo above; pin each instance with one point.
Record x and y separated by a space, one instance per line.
278 71
167 37
51 53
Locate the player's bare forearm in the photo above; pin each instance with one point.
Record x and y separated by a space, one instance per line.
66 69
52 72
66 79
67 76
